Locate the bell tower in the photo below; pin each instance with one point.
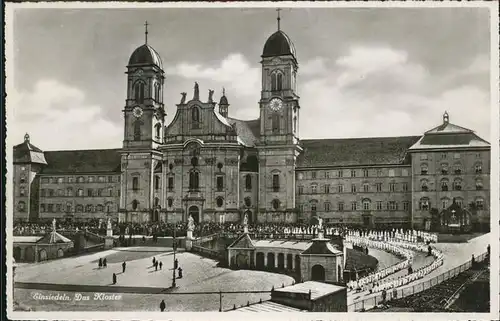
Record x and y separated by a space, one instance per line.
278 147
144 116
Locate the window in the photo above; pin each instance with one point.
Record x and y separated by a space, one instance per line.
276 182
479 184
444 203
353 173
459 202
313 175
80 192
139 92
80 179
424 169
45 180
379 173
50 208
379 187
170 183
406 206
443 156
366 205
276 81
42 192
109 207
89 192
275 123
353 188
341 188
341 206
99 192
248 182
478 168
89 208
423 156
457 185
219 201
195 117
220 183
135 183
379 205
444 168
327 207
110 191
301 190
194 180
457 168
91 179
327 189
248 201
170 202
424 204
405 187
22 191
275 204
313 207
354 206
137 130
365 172
60 192
392 173
444 185
51 192
392 187
327 174
101 179
110 179
301 208
135 204
60 180
99 208
42 207
314 188
391 206
21 206
366 187
69 191
456 156
340 173
480 204
79 208
424 185
157 182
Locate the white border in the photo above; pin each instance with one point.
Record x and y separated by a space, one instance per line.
495 166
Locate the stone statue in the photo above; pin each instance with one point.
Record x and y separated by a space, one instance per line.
196 92
320 223
54 225
210 96
183 99
109 227
245 219
190 223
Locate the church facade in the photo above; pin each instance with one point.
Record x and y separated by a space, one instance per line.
213 167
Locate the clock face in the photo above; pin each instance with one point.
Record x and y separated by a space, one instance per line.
137 112
276 104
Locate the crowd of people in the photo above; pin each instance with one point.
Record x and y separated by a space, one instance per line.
97 226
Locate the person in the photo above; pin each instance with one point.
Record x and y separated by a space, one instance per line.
176 264
124 265
156 265
161 264
154 260
180 272
114 278
104 263
162 305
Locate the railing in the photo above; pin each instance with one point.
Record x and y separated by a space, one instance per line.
205 252
402 292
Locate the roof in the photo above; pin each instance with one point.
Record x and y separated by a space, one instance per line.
27 239
355 151
53 237
318 289
145 55
28 153
266 306
358 261
321 246
83 161
223 100
278 44
248 131
294 245
449 140
242 242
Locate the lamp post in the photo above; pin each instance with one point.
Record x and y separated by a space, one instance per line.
174 245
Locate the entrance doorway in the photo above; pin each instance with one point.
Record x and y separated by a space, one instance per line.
366 220
194 211
155 216
318 273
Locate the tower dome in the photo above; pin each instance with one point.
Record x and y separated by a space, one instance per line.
278 44
145 55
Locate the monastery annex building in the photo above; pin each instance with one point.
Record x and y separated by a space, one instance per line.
217 168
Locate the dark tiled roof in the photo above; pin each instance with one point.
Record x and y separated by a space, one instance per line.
355 151
28 153
448 139
321 247
145 55
278 44
247 130
242 242
83 161
359 261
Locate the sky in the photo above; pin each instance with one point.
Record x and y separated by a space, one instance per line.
363 72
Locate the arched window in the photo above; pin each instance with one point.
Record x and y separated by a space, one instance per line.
21 206
69 207
109 207
69 191
276 182
248 201
276 204
170 202
457 168
79 208
248 182
157 92
137 130
80 179
444 184
80 192
156 202
478 168
194 180
424 204
314 206
480 203
219 201
157 182
158 131
424 185
424 169
366 204
314 188
457 184
444 168
459 201
275 122
135 204
135 183
195 117
479 184
276 81
139 92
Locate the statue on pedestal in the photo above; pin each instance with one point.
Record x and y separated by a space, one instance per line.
196 95
183 99
54 225
210 96
320 223
190 223
245 220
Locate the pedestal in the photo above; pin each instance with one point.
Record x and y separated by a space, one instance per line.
189 240
109 242
245 229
